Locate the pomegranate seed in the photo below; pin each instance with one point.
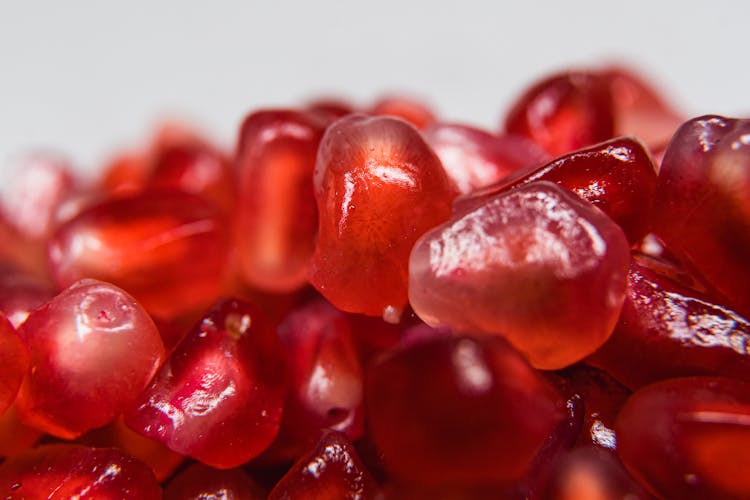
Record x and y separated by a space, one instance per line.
219 396
473 158
176 156
638 109
457 410
669 330
92 339
167 248
379 186
14 365
72 471
325 375
197 168
406 108
277 218
39 185
331 469
535 264
591 473
688 437
448 302
564 112
702 203
617 176
202 482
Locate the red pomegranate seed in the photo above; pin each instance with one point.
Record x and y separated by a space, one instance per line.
160 459
458 410
617 176
536 264
15 437
38 186
201 482
639 110
71 471
219 396
196 168
325 377
131 171
688 437
668 330
591 473
473 158
379 186
331 469
702 203
15 361
166 248
407 108
277 218
564 112
91 340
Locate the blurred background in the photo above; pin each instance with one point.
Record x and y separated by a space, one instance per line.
89 78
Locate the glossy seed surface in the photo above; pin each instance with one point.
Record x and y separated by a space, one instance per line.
535 265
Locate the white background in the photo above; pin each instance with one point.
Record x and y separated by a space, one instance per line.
89 77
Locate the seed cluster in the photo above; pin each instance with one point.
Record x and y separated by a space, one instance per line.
369 302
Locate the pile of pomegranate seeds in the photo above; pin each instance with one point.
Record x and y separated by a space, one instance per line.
374 303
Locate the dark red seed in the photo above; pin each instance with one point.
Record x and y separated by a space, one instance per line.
702 203
473 158
218 398
458 410
330 470
276 214
669 330
564 112
616 176
166 248
688 437
73 471
325 378
591 473
200 482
